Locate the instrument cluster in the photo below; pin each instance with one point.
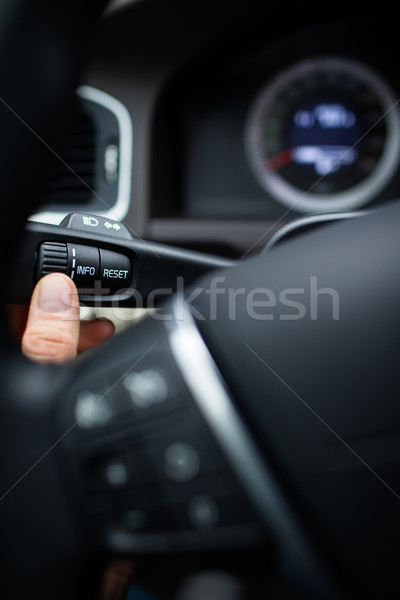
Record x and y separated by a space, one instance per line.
308 124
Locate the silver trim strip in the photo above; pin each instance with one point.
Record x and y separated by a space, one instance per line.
120 209
310 221
213 399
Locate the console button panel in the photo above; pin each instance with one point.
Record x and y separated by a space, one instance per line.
151 473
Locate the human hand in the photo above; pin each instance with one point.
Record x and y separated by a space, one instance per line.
50 331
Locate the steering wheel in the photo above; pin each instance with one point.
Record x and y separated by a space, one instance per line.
252 424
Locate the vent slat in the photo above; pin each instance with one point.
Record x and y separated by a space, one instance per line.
71 183
76 166
68 197
78 154
73 176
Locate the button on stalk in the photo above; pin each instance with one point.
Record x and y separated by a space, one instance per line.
86 265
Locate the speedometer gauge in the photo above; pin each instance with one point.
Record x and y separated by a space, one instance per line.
324 136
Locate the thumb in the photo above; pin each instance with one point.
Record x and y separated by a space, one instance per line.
52 330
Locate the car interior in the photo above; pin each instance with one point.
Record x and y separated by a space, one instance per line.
220 179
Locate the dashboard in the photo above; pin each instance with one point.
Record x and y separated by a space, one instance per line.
251 116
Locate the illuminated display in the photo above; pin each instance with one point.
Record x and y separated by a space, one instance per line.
324 135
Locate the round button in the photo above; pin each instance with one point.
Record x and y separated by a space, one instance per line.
146 388
92 410
181 462
116 474
135 519
203 513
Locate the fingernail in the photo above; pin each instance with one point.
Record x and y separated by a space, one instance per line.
54 295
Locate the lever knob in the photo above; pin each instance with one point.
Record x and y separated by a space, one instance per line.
52 258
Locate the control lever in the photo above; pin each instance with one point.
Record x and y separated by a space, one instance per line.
106 263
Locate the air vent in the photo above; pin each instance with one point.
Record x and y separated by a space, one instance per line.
73 175
93 170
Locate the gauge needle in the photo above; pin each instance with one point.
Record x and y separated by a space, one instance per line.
279 160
